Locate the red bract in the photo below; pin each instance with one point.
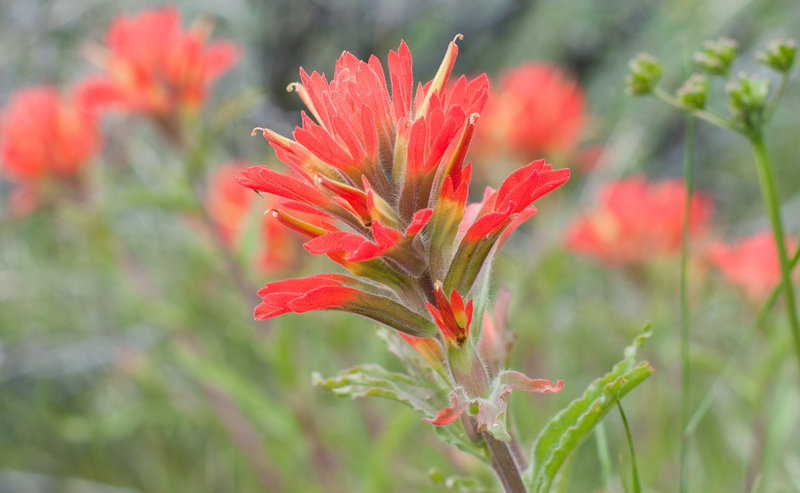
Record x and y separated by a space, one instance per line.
637 221
451 316
46 136
231 207
751 263
535 111
154 66
385 170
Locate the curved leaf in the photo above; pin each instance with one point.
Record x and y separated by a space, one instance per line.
566 430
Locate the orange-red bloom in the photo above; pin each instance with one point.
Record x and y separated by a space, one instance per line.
751 263
637 221
154 66
46 133
386 171
45 136
535 111
231 206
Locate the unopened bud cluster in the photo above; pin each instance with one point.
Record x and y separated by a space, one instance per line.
748 96
644 74
780 55
717 56
693 92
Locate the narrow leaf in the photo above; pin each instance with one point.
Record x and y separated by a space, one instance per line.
565 431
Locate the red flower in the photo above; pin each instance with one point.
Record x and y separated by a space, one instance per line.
45 136
751 263
637 221
451 316
387 169
535 111
232 207
153 66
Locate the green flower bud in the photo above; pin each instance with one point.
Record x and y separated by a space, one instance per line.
747 97
644 74
692 93
780 55
717 56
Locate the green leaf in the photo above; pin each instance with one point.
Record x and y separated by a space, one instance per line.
567 429
372 379
411 360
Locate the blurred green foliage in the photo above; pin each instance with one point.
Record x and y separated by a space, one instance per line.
128 358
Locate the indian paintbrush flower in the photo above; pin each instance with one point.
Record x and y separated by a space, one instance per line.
536 110
750 263
385 173
47 137
154 66
637 221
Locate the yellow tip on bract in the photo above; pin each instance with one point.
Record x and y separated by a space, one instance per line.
258 129
443 74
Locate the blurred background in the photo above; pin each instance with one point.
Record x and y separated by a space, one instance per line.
129 360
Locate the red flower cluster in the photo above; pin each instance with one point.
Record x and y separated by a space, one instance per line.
45 136
153 66
637 221
751 263
385 171
231 207
535 111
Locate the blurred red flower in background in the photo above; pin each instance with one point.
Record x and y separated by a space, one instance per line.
535 111
751 263
232 206
637 221
153 66
45 137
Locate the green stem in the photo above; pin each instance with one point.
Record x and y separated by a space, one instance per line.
744 343
602 454
684 348
707 115
637 487
770 195
775 101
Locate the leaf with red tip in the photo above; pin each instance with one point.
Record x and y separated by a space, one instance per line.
458 403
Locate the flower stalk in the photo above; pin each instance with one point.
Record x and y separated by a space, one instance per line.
770 196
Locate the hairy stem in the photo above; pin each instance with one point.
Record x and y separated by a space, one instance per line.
770 195
504 464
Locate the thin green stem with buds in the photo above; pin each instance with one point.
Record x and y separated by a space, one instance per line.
769 193
707 115
688 171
